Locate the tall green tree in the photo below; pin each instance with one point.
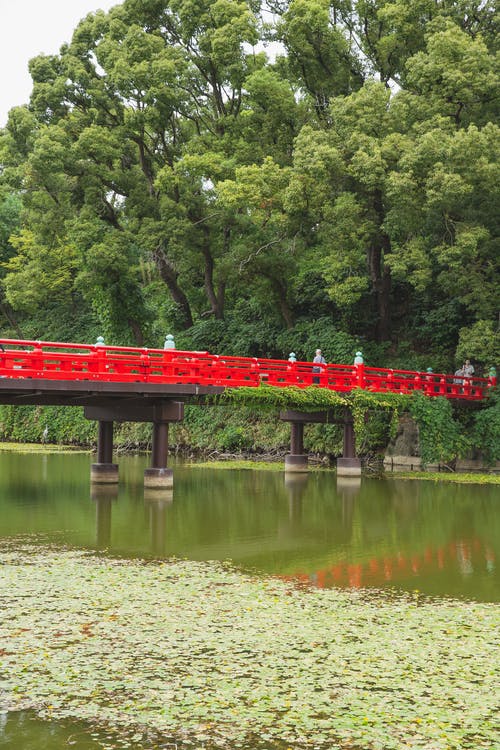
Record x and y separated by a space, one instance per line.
171 173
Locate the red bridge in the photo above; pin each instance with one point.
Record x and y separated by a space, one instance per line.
119 364
126 384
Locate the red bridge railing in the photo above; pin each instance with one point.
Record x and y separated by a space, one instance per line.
64 361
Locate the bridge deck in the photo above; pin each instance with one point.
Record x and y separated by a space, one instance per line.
56 372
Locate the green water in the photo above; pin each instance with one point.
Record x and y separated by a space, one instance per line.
442 539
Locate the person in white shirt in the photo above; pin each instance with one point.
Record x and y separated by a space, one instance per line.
468 369
318 360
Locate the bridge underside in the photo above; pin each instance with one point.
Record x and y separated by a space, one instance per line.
40 392
160 404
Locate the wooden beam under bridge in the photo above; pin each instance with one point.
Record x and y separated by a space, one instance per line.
314 417
167 411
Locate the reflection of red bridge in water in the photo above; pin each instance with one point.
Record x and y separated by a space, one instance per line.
379 571
76 362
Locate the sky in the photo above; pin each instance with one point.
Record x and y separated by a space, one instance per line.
29 28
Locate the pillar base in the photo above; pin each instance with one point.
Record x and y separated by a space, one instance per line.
348 467
296 464
104 473
158 478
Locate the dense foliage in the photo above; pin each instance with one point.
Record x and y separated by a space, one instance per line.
261 179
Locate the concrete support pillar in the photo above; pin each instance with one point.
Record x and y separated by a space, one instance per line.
158 476
296 462
349 465
104 471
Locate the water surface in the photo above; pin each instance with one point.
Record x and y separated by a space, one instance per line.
440 538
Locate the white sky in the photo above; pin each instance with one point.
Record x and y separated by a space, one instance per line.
29 28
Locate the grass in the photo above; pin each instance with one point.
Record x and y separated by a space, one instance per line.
457 478
41 448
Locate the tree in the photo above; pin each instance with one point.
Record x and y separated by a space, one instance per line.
10 216
177 177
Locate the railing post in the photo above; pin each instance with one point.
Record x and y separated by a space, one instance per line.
390 381
99 357
254 369
359 372
145 365
37 359
442 386
467 389
292 368
429 382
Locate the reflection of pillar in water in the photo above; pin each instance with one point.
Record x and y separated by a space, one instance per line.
348 486
295 485
490 560
103 496
348 489
464 559
158 501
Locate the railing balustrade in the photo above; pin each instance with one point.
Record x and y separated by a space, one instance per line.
51 360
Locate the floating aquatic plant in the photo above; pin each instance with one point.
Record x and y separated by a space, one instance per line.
206 654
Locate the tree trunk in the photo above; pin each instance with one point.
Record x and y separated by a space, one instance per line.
169 275
380 274
213 298
136 332
285 309
9 316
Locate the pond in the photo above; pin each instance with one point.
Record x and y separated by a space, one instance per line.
438 539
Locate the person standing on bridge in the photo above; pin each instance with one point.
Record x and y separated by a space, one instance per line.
468 369
318 360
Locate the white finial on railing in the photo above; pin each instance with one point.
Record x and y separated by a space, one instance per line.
169 342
